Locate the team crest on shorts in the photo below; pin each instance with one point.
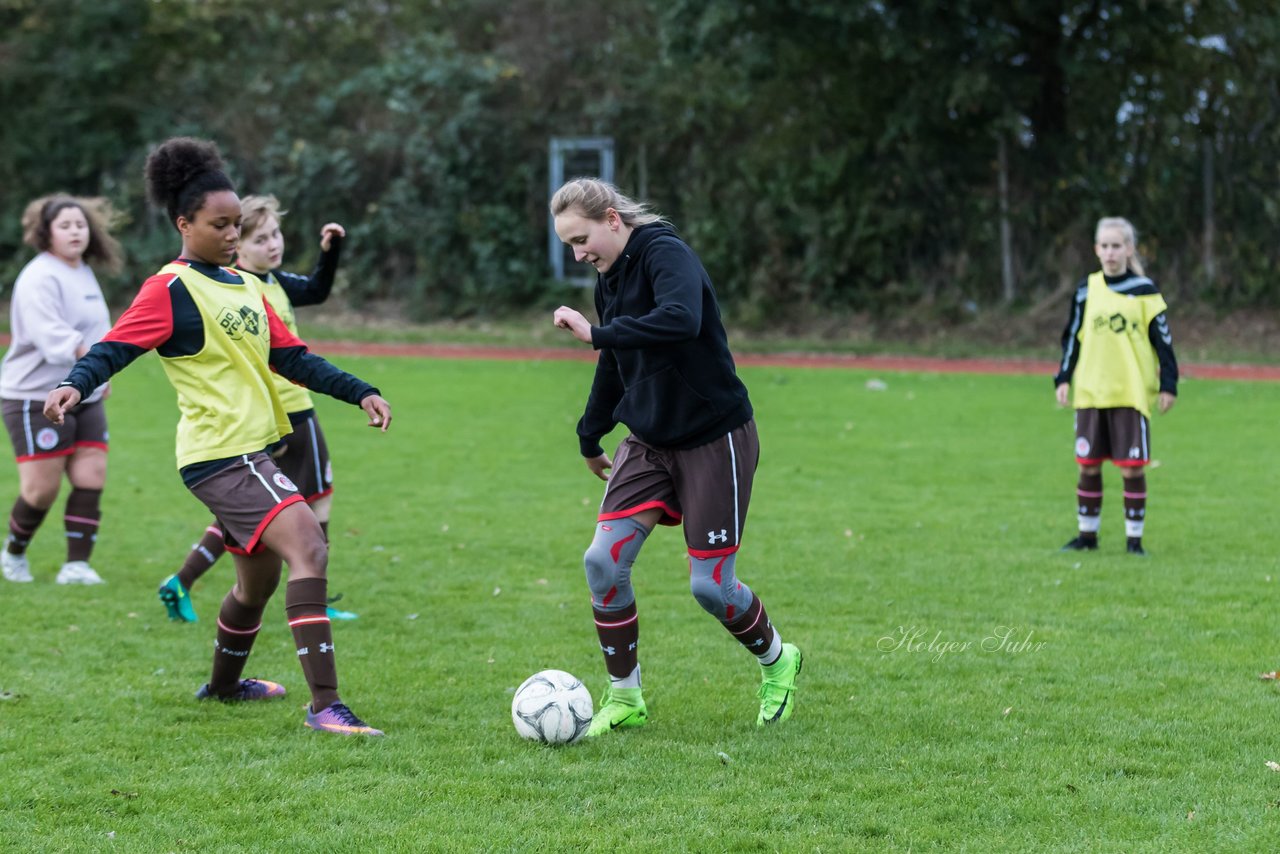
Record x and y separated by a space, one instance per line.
283 482
47 438
1082 446
328 472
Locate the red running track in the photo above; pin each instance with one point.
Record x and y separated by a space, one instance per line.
919 364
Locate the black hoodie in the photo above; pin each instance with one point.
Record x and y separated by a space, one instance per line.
665 369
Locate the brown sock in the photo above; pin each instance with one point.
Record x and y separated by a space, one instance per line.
619 633
305 606
753 629
24 521
238 627
202 557
1135 504
1089 504
81 519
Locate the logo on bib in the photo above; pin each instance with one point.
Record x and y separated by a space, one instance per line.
283 482
238 321
47 438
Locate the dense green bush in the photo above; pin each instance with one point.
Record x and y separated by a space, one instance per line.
821 156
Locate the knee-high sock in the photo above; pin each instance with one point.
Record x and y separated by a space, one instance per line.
1089 503
608 562
238 627
81 518
1135 505
754 630
203 556
305 605
24 521
619 633
715 584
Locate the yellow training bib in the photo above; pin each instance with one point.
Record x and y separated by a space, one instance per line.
1117 365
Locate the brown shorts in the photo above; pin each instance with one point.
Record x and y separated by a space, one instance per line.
37 438
303 456
707 487
245 497
1122 435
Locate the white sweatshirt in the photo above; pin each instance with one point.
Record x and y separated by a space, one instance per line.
55 308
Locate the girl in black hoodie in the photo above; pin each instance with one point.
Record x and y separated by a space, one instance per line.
665 371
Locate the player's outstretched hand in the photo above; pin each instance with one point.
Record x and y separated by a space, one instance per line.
59 401
329 231
378 410
599 465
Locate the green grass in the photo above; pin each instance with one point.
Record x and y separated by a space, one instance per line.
934 506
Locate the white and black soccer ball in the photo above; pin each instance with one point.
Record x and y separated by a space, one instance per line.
552 707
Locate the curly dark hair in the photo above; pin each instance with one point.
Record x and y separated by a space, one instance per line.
181 171
103 249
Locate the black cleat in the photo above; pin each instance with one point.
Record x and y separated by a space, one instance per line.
1081 543
1134 547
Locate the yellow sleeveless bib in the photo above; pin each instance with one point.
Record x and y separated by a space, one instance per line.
294 398
1118 365
226 392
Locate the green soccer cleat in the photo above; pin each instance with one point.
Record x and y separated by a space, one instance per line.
176 601
778 686
619 708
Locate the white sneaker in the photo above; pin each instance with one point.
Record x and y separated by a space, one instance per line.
78 572
15 567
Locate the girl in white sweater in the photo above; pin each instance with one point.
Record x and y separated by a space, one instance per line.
57 312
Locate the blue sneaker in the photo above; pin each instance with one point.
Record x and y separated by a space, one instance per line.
175 599
248 689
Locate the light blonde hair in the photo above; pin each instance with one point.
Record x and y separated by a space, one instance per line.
103 249
593 197
254 211
1130 238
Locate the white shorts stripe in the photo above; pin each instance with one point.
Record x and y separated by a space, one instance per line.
315 453
733 464
26 428
266 483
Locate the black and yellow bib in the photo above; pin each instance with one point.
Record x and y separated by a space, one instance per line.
293 397
226 391
1118 365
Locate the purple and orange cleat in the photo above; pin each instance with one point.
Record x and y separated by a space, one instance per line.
338 718
248 689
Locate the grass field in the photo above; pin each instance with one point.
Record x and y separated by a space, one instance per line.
967 686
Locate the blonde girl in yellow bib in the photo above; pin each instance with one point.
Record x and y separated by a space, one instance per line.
1117 366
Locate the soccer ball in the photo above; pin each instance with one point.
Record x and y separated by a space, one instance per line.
552 707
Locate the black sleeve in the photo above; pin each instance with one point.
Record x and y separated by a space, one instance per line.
676 278
606 392
313 289
1162 341
103 361
308 369
1070 339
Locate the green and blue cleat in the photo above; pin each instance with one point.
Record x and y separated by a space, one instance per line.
176 601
